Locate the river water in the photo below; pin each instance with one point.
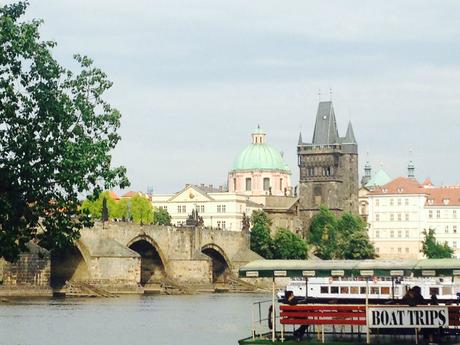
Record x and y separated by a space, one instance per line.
214 319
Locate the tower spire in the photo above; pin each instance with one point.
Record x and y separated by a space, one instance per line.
411 167
300 142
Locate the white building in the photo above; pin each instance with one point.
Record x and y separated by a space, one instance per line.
220 210
399 212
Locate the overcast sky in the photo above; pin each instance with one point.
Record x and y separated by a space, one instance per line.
194 78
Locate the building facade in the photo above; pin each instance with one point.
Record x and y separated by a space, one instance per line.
328 168
260 171
219 210
400 211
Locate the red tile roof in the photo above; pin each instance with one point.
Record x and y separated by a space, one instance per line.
435 196
130 194
114 196
400 185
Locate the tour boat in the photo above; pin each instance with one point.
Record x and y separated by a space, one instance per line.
381 289
375 312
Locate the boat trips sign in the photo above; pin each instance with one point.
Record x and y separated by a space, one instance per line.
408 317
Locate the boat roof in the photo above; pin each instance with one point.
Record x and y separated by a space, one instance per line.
351 268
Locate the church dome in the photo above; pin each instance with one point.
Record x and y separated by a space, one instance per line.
259 156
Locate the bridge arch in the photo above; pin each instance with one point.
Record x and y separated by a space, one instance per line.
154 266
70 264
220 263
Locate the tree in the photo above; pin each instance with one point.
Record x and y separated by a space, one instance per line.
288 246
343 237
56 134
261 241
141 210
161 217
433 249
105 210
95 206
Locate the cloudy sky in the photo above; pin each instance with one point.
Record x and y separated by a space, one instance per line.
194 78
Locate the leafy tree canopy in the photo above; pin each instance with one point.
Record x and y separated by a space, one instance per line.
161 217
94 206
141 209
56 134
287 245
284 245
343 237
433 249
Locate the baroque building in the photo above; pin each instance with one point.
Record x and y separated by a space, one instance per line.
328 168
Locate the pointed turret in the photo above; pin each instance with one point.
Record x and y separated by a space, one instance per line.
350 136
300 142
326 132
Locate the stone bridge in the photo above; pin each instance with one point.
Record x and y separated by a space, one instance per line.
122 256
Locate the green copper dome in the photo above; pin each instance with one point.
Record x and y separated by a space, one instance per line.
381 178
260 156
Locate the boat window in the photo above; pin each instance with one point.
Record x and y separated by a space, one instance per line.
362 290
374 290
324 289
344 289
334 289
385 290
434 291
447 290
354 290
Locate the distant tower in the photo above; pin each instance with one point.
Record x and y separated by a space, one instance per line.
367 174
150 190
411 170
328 168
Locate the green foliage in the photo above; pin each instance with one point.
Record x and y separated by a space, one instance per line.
56 133
141 210
287 245
433 249
284 245
261 241
343 237
161 217
95 206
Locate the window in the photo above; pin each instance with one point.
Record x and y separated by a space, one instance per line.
454 213
454 229
377 250
392 233
334 289
179 209
407 250
221 208
310 172
223 225
434 291
266 183
201 208
399 250
374 290
164 208
219 224
377 217
281 184
362 290
344 290
399 217
407 233
430 214
385 290
399 233
327 171
224 208
454 244
438 214
406 201
392 217
407 217
399 202
324 289
248 184
354 290
447 229
377 202
391 202
377 234
234 184
184 209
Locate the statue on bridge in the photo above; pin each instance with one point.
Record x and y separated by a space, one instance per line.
194 219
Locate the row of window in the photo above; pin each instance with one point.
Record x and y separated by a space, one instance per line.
266 184
392 249
320 171
399 202
438 214
355 290
392 233
199 208
399 217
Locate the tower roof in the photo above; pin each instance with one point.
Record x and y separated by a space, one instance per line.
326 132
350 136
381 178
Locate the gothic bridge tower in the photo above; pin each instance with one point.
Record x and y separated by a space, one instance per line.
328 168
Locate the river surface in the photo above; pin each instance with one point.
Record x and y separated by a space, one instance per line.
214 319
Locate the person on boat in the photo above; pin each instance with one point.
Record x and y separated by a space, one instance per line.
418 295
291 300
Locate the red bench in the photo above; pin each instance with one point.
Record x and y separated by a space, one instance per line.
354 315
